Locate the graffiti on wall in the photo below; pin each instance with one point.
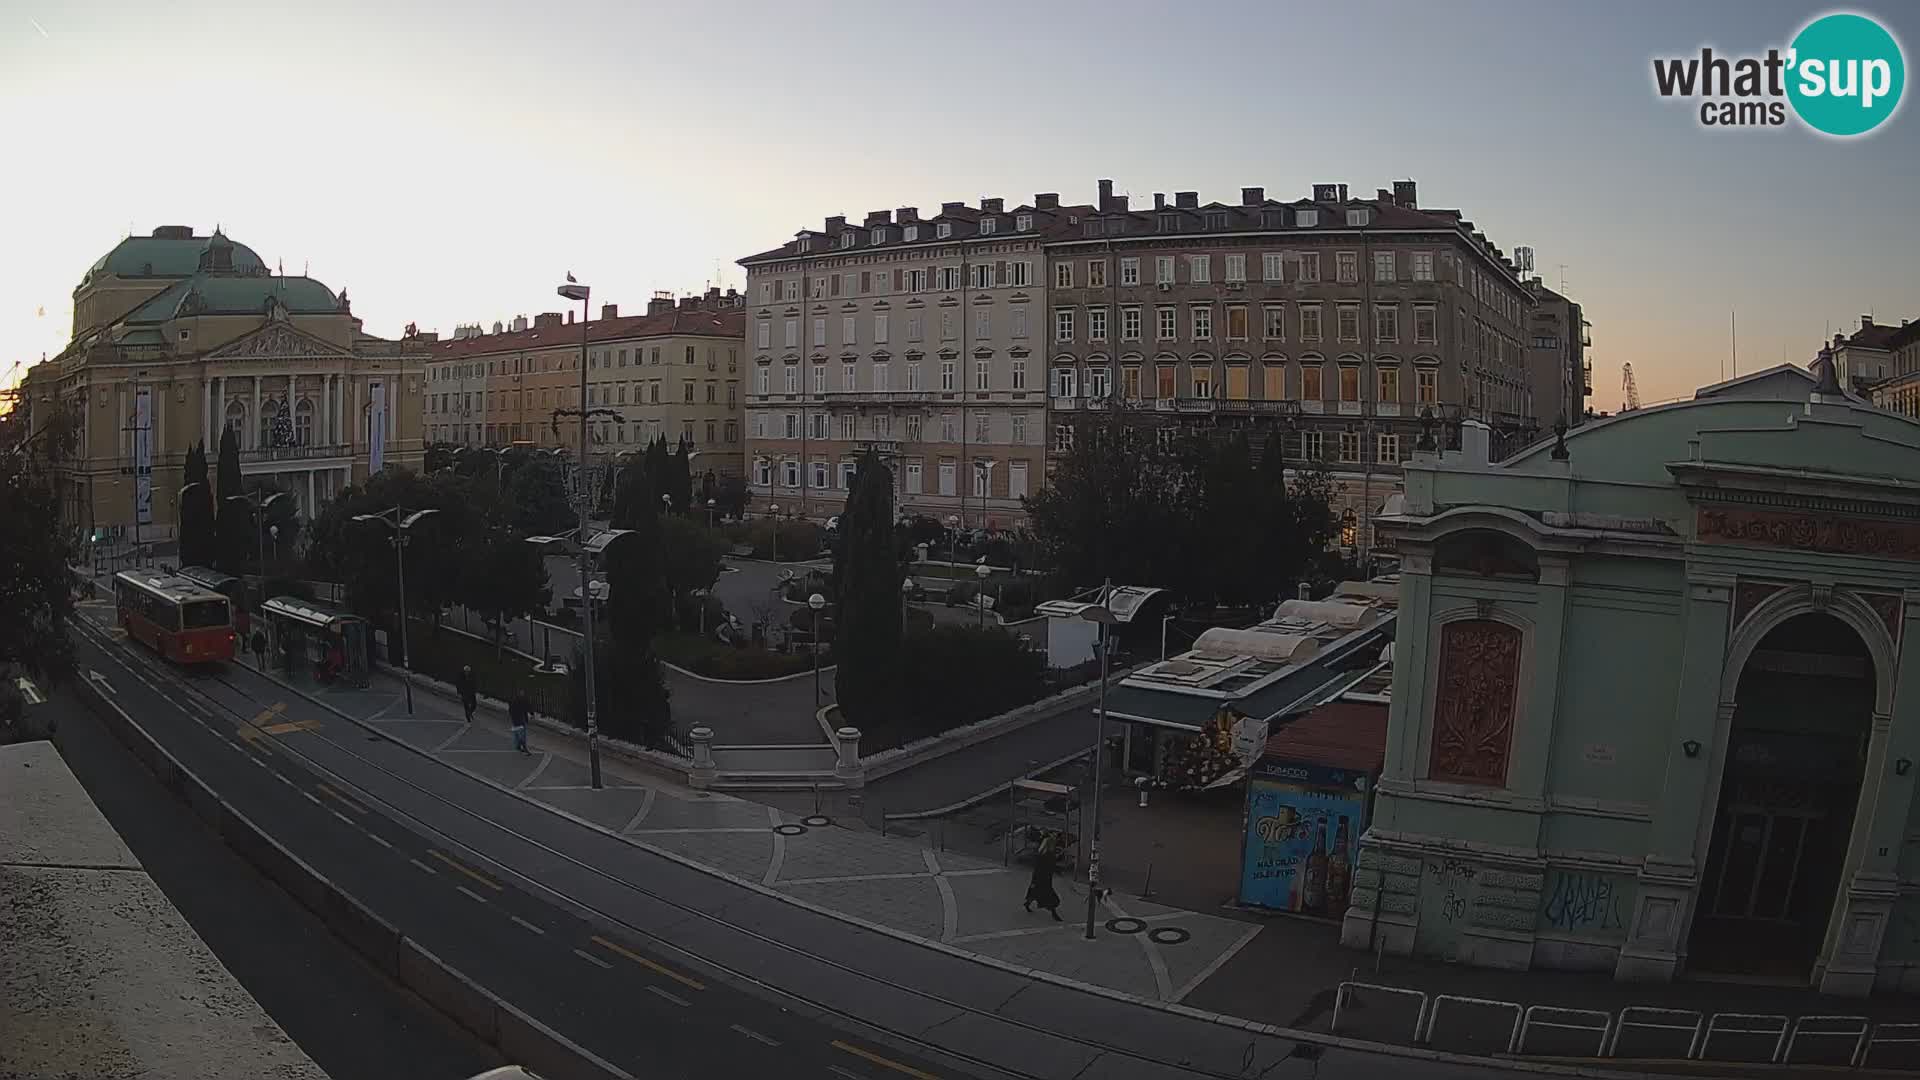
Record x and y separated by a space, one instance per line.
1586 902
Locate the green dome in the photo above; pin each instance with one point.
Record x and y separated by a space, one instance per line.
171 252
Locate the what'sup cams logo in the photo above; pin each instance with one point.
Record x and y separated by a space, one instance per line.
1842 76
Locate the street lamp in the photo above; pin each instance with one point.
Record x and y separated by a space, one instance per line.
953 543
584 550
259 506
906 590
982 571
773 511
711 504
1103 615
400 525
817 603
666 504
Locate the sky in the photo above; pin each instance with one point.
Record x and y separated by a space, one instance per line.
452 168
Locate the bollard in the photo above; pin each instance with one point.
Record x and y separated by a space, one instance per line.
704 772
1141 783
847 767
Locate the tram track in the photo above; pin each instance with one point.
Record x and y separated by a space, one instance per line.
1096 1048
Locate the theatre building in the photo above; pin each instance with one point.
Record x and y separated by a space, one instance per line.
1656 697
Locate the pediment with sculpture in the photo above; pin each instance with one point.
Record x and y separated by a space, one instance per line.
278 340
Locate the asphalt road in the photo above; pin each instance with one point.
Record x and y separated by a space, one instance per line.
609 990
646 961
349 1018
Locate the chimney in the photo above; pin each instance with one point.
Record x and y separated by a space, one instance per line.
547 320
952 207
497 328
1866 321
1406 193
992 206
1159 200
1475 443
609 311
1343 193
836 223
907 215
878 217
713 294
1383 195
173 232
1187 200
1106 195
1252 196
662 301
519 323
569 316
1047 200
1326 192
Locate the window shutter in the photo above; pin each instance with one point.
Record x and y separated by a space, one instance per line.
1000 272
899 280
866 281
833 288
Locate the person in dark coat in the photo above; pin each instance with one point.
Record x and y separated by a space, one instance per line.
517 715
469 697
1040 888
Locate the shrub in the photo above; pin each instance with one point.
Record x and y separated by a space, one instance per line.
799 541
717 661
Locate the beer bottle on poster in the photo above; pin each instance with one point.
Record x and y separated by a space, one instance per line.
1316 887
1339 870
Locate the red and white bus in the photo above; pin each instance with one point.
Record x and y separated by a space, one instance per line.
182 620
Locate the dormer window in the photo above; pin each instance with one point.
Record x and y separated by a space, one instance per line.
1307 219
1022 222
912 233
1216 219
986 226
943 230
1169 222
846 239
1270 219
1357 218
806 243
878 236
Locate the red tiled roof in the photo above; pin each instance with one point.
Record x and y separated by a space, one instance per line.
732 324
1339 734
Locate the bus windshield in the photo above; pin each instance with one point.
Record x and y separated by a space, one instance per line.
203 613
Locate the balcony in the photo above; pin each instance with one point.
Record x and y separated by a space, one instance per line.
294 453
1313 406
1349 408
1386 408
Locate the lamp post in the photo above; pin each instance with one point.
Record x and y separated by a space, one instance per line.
259 506
573 290
982 571
953 543
711 504
1102 614
773 511
906 590
583 550
817 604
666 505
400 525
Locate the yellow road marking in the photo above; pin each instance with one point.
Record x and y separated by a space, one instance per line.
255 728
469 871
684 980
883 1062
344 801
295 725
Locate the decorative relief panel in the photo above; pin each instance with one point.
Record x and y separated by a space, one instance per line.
1748 595
1479 678
1827 533
1887 606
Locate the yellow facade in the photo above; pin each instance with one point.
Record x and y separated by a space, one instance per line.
178 337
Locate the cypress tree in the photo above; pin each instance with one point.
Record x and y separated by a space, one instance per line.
867 588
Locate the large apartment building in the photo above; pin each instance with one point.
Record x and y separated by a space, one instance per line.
921 338
673 373
1557 343
1337 321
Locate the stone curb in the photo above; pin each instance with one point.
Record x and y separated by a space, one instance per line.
516 1035
1236 1023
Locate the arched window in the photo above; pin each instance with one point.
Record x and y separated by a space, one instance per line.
1349 529
236 418
303 423
269 412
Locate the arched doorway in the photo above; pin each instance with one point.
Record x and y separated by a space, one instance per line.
1789 787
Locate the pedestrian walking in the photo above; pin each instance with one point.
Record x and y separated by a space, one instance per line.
1040 888
469 698
259 644
517 716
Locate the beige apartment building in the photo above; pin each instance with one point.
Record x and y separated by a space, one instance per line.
178 337
672 373
1337 321
921 338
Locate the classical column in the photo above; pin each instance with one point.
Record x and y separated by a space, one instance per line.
253 422
206 411
312 507
1670 876
326 410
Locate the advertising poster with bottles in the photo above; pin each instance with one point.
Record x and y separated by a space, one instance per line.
1303 832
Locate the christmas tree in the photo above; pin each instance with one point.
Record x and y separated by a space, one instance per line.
1200 759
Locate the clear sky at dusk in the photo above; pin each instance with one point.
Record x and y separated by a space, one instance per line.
448 164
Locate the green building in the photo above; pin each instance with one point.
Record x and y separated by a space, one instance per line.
1651 711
